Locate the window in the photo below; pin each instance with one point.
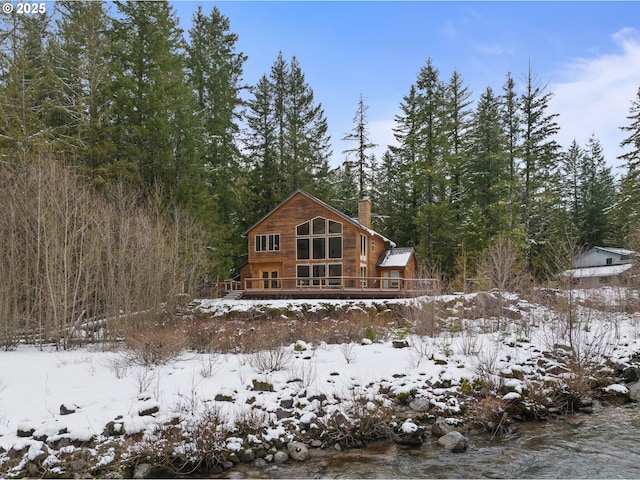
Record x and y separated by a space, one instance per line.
319 226
335 272
609 261
363 246
269 242
335 247
335 227
302 272
302 249
319 248
302 229
319 272
323 239
274 242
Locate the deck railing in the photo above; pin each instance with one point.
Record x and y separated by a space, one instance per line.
341 283
231 285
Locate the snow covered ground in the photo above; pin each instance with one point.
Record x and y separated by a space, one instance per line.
51 400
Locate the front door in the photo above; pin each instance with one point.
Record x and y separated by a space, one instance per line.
391 279
269 279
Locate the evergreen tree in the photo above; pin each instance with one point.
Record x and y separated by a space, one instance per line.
346 193
215 72
405 155
265 175
512 130
434 218
540 184
572 163
486 177
390 199
456 124
360 135
457 112
82 75
598 191
286 135
306 157
25 81
155 113
627 208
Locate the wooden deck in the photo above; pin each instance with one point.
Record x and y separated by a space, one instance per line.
334 287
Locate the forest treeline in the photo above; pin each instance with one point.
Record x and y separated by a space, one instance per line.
156 124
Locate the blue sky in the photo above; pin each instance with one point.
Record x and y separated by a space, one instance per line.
587 52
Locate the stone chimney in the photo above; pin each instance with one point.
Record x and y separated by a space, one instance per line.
364 211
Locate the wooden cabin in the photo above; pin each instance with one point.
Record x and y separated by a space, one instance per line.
306 248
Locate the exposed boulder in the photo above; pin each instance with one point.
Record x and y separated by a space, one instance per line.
68 409
419 404
280 457
298 451
454 441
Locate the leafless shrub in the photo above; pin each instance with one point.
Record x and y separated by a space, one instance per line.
251 421
492 414
469 342
209 364
155 345
145 379
425 317
303 372
196 445
486 367
118 363
501 263
359 420
272 360
422 348
347 352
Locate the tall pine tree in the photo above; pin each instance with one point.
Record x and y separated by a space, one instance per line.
215 71
627 210
155 113
360 136
538 169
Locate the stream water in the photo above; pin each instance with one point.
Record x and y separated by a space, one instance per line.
605 444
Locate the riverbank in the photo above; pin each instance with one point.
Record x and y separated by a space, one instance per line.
480 361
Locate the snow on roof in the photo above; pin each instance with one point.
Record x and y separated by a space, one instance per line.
617 251
396 257
607 271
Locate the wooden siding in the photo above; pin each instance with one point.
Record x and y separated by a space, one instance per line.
283 221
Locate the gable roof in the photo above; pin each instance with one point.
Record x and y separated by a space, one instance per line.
395 257
325 205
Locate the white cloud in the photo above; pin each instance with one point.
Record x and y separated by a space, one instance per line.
596 95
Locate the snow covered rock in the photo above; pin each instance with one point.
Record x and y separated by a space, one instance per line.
445 425
409 434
